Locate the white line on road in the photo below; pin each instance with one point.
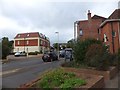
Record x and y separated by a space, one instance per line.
8 72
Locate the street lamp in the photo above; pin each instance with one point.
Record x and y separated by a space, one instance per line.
58 44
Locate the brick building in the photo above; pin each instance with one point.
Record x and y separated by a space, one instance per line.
31 42
105 29
88 28
109 31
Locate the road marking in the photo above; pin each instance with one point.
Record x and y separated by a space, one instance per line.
10 71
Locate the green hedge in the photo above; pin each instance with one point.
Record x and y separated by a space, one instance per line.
98 57
81 47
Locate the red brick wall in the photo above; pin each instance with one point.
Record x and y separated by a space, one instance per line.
90 28
33 42
107 29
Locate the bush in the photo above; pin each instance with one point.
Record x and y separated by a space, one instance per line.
32 53
80 49
60 79
98 57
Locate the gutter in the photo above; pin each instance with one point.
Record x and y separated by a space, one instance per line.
109 20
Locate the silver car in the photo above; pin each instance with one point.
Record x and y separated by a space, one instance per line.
17 54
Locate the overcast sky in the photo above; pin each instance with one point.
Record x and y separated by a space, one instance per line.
21 16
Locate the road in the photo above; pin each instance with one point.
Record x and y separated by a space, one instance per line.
16 73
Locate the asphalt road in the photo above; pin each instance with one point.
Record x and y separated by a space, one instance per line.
16 73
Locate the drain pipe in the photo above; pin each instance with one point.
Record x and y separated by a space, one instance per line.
119 33
112 38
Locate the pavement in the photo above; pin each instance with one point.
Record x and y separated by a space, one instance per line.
13 58
114 82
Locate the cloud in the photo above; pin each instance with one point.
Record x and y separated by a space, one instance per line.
47 17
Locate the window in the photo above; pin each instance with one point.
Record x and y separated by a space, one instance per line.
113 33
19 35
18 42
27 42
28 35
81 32
41 42
105 38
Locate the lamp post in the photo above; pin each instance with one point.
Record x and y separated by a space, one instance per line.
24 43
58 44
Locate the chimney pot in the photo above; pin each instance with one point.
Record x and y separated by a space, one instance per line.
88 11
89 15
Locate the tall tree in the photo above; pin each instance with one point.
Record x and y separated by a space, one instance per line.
0 48
5 47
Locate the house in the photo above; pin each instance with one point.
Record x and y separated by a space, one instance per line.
31 42
109 31
88 28
105 29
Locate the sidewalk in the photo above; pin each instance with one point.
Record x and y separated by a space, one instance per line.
114 82
13 58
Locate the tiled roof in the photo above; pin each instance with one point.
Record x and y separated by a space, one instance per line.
27 35
30 35
98 17
115 14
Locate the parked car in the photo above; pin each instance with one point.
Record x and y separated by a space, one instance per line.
49 56
69 54
62 53
17 54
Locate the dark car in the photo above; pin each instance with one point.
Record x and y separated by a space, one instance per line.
50 56
62 53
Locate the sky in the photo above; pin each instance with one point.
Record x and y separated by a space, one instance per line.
49 16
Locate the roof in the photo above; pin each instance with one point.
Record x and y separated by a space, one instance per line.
109 20
115 14
98 17
67 49
27 35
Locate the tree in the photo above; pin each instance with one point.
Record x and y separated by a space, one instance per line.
0 48
6 47
70 43
81 47
55 45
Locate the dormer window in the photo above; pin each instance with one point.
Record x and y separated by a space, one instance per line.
28 35
19 35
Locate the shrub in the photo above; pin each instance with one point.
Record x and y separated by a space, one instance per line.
80 49
33 53
98 57
60 79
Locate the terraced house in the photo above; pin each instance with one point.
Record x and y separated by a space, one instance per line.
105 29
31 42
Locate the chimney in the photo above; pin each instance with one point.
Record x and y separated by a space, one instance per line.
89 15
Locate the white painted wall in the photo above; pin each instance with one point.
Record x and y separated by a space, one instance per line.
30 48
